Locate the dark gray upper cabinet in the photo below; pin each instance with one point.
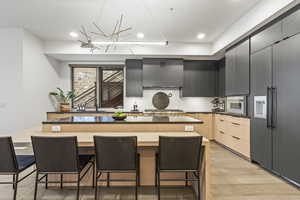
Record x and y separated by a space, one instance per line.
162 73
134 81
230 62
291 24
267 37
220 78
237 71
199 79
242 70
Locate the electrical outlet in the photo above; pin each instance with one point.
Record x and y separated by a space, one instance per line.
188 128
55 128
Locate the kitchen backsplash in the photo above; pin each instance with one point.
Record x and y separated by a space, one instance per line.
188 104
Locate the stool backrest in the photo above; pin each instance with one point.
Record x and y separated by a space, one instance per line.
8 160
56 154
116 153
179 153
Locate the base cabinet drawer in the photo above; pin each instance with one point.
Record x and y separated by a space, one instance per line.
220 137
234 133
239 145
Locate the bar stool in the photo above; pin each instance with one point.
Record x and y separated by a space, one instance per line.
116 155
12 164
59 155
179 154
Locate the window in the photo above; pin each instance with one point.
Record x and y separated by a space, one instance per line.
98 87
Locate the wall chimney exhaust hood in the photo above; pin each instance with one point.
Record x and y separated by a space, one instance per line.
162 73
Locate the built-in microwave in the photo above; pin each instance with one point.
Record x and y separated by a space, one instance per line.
236 105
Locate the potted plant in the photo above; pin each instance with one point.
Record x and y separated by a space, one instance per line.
63 99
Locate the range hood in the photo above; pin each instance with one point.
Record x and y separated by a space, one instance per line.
162 73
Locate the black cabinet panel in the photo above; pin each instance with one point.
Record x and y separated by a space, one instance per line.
267 37
134 82
261 135
199 79
220 82
291 24
237 70
286 70
242 69
162 73
230 72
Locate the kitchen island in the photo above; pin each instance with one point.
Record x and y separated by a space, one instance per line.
130 124
147 148
146 128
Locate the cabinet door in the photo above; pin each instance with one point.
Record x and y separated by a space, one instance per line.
162 73
261 135
242 69
291 24
286 70
266 37
230 72
220 85
199 79
134 82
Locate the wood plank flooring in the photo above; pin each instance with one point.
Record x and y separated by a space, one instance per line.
233 178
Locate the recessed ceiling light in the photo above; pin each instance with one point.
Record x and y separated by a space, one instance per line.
73 34
140 35
201 36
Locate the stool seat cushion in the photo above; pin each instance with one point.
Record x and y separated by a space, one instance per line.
25 161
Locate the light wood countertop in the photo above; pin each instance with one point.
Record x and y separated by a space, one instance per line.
86 138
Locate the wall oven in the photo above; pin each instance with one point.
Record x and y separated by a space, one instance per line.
236 105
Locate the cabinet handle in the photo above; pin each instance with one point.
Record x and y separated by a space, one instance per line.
221 120
236 138
235 124
221 132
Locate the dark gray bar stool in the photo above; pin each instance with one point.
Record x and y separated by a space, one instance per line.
179 154
59 155
12 164
116 154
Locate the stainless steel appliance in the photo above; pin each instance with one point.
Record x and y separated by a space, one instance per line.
236 105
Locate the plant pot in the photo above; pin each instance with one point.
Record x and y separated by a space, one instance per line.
65 107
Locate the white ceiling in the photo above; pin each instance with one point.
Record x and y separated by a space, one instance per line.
54 19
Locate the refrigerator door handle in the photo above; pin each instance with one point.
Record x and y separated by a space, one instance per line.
274 107
269 107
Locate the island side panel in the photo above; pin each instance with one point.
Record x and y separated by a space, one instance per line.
120 127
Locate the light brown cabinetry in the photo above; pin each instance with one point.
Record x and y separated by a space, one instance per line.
205 129
233 132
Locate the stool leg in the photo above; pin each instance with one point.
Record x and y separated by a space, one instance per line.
96 185
46 182
36 185
78 186
186 177
108 177
93 174
61 181
199 187
158 183
16 179
136 185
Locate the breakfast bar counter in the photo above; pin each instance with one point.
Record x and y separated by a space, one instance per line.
130 124
147 148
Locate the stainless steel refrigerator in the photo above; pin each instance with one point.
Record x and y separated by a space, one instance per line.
275 108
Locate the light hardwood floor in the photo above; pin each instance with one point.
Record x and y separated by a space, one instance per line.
233 178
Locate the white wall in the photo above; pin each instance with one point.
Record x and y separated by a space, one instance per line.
26 78
40 76
259 15
10 79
